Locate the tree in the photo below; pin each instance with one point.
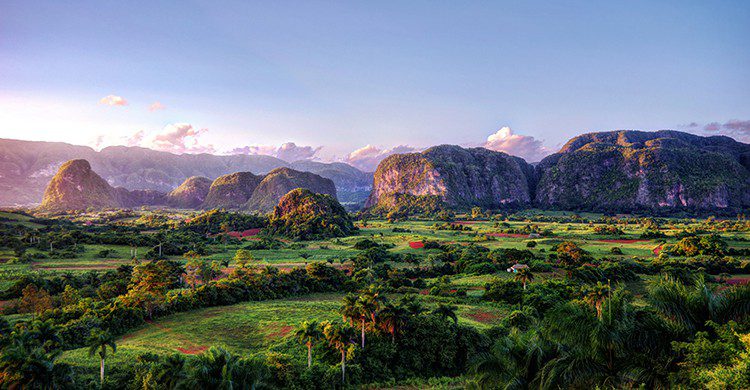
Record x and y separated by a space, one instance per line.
352 311
308 334
34 300
393 318
339 336
44 334
213 369
446 311
70 296
692 306
243 257
23 366
570 255
170 373
596 296
98 343
524 275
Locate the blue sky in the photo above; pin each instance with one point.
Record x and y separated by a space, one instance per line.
343 75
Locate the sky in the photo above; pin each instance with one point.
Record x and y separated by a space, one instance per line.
357 80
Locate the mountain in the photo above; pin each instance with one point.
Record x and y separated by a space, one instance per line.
76 187
190 194
231 191
460 177
27 166
303 214
280 181
352 185
637 170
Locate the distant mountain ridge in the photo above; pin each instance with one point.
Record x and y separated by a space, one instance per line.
615 171
27 166
76 186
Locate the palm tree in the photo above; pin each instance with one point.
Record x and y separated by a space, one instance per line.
22 366
213 369
627 344
98 343
393 318
514 361
353 312
171 372
45 334
369 305
596 297
308 334
524 275
412 305
446 311
339 336
692 306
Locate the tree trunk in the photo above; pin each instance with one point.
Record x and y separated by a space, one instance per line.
343 366
101 371
524 285
309 355
363 332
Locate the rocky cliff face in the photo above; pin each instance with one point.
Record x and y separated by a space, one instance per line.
76 187
636 170
231 191
279 182
190 194
460 177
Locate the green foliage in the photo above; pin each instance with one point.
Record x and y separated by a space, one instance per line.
304 215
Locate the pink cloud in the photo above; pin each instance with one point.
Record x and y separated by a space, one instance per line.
288 151
135 139
368 157
113 100
156 106
526 147
178 138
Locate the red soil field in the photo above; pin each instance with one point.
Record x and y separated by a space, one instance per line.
483 316
193 351
280 332
416 244
464 222
739 280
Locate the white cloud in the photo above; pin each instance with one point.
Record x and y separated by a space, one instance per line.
526 147
368 157
156 106
113 100
288 151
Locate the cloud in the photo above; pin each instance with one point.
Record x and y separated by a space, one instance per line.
135 139
291 152
288 151
113 100
738 126
735 128
176 138
368 157
156 106
524 146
